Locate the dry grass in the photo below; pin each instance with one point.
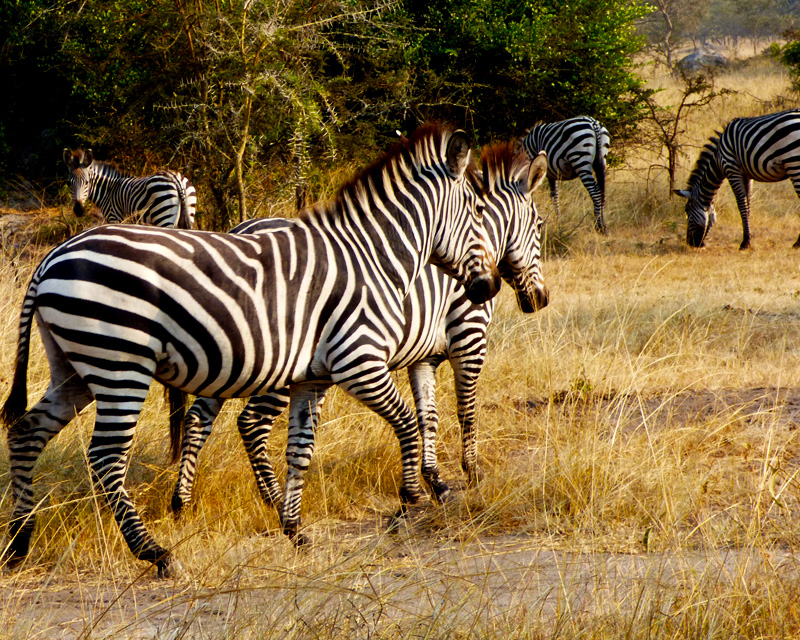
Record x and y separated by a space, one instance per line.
638 441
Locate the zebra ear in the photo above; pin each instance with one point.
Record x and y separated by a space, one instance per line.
537 171
458 153
682 193
67 155
87 158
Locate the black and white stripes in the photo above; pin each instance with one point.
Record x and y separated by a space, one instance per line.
164 199
764 148
440 324
314 303
576 148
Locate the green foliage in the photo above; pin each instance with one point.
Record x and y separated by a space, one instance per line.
790 56
498 66
227 91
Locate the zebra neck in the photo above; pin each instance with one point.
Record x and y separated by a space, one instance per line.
385 248
106 183
710 180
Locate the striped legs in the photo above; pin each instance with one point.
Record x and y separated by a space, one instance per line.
794 176
376 391
422 375
108 459
303 419
740 185
598 198
196 429
255 423
65 398
467 369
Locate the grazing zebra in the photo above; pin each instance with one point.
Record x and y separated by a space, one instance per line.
164 199
440 324
316 302
764 148
575 149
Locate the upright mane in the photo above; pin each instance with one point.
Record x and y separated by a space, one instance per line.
403 149
503 159
708 154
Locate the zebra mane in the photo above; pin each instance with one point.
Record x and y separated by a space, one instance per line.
403 148
708 154
503 159
113 168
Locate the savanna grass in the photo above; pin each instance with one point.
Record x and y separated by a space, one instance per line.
638 444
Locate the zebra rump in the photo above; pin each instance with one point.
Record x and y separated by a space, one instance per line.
575 148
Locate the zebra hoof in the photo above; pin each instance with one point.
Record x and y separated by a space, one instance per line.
396 520
11 562
176 505
169 568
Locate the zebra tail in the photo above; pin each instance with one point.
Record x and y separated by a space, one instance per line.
177 414
17 401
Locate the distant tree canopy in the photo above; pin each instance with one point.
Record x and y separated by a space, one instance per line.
218 89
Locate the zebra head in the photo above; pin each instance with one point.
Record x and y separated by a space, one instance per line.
704 181
700 218
80 177
510 178
461 247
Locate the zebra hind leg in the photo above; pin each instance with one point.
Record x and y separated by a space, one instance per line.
197 427
423 382
27 438
303 419
255 424
108 459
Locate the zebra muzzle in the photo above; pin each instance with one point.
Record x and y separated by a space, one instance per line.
78 209
484 287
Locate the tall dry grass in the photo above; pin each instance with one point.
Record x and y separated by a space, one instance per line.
638 442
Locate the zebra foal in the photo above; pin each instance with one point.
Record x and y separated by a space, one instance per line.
164 199
314 303
575 148
440 324
763 148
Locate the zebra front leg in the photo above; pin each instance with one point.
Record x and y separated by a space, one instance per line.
740 185
422 375
794 176
377 391
466 371
196 429
255 424
299 449
108 459
26 441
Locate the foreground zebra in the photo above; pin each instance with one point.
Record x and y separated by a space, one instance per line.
314 303
576 148
164 199
764 148
440 324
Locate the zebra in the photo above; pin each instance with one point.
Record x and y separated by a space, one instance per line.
576 148
315 303
164 199
763 148
440 324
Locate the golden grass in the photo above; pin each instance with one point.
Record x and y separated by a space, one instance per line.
638 442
